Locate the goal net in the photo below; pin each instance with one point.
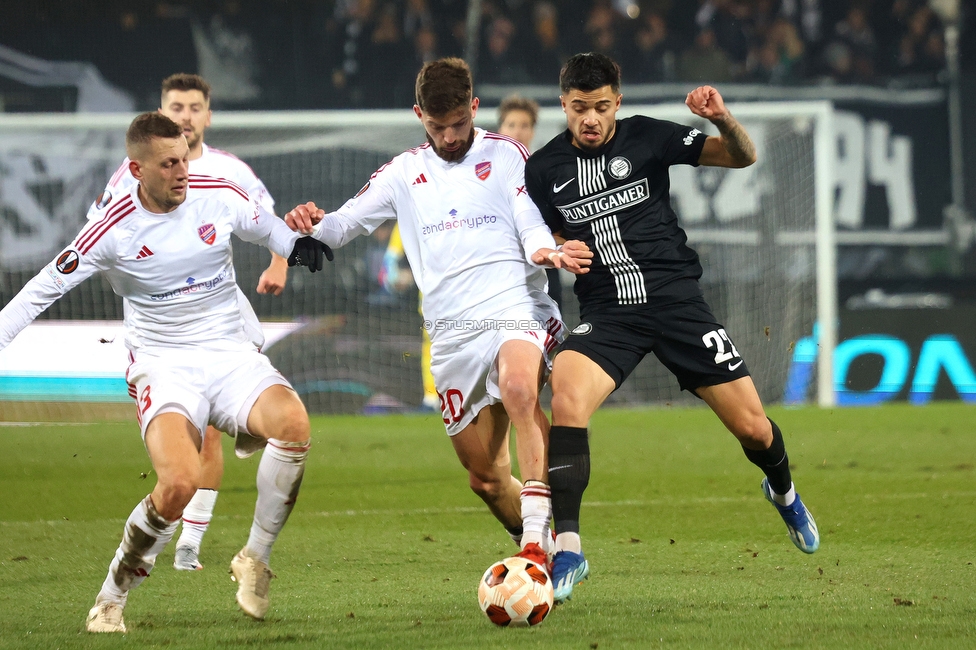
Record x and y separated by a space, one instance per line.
359 344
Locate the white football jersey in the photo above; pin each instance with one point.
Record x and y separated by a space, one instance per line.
174 270
213 162
468 227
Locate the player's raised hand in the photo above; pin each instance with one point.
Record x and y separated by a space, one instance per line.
706 102
303 217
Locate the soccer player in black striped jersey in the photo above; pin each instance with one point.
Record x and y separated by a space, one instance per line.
605 181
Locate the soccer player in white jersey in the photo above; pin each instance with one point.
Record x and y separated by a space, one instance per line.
185 99
476 246
165 248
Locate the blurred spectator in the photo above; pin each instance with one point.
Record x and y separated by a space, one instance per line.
546 52
837 63
416 16
383 63
608 34
225 52
921 49
424 49
705 62
779 58
856 34
654 57
726 19
355 30
500 63
807 17
280 54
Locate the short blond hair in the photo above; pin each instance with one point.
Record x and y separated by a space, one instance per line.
518 103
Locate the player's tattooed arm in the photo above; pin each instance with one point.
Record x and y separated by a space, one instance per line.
736 141
734 148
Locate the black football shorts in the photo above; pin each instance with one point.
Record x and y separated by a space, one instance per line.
684 336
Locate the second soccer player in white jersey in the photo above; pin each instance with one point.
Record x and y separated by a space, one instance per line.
476 246
185 99
165 248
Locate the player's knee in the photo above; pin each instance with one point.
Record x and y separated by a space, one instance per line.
294 427
753 430
489 488
567 409
175 493
520 397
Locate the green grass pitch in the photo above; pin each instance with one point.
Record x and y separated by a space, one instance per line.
387 543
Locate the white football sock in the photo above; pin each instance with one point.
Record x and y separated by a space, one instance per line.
196 518
146 534
536 504
279 477
784 499
569 542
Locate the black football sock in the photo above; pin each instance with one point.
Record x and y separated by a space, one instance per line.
774 462
569 474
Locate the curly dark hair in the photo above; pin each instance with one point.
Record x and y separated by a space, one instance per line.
589 71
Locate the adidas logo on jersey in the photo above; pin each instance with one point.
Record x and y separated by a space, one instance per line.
144 252
420 179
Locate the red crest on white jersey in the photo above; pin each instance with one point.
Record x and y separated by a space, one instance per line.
482 170
207 233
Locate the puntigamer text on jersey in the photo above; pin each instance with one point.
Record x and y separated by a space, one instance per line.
614 200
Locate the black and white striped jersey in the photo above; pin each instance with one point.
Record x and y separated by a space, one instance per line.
617 200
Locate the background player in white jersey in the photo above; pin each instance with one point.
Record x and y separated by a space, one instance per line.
476 246
185 99
517 117
165 248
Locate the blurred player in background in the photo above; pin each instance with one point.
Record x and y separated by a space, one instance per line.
605 181
165 247
476 244
186 100
517 118
394 279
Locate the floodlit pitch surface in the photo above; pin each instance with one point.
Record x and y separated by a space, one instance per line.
386 544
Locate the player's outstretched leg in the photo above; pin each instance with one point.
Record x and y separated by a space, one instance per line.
799 522
569 474
778 489
279 416
146 534
279 477
738 405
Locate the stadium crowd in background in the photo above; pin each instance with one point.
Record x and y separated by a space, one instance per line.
364 53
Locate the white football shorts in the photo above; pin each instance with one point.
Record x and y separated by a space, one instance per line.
216 387
465 363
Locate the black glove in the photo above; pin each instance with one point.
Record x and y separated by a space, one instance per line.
309 252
